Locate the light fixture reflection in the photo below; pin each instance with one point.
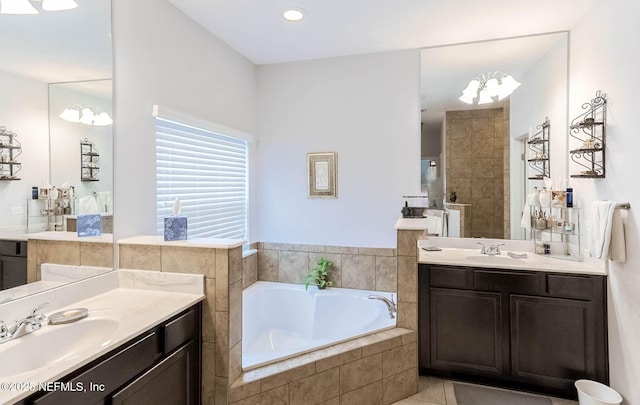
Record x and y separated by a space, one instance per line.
487 87
85 115
294 14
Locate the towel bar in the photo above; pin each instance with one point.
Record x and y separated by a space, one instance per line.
624 206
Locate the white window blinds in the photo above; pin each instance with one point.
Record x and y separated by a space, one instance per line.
207 171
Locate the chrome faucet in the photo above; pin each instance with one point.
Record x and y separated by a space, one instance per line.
492 250
391 306
23 327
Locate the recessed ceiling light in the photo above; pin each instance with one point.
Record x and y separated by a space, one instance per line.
293 14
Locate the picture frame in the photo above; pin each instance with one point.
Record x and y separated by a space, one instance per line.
322 175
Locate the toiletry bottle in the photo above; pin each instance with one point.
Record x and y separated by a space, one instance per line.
569 197
545 197
34 192
536 197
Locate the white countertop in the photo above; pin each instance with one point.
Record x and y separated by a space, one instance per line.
411 224
533 262
70 237
138 300
157 240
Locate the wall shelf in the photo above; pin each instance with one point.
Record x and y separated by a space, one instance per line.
10 149
89 158
539 161
588 131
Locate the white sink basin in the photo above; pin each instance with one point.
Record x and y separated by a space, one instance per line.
53 344
490 259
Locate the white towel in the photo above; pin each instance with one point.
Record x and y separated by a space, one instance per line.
88 205
602 213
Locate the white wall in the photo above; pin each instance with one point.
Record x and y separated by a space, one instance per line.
162 57
543 94
24 110
604 56
365 108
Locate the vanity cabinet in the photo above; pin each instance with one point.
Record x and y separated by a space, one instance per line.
536 331
161 365
13 263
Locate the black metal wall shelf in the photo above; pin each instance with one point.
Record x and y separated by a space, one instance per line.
589 130
540 163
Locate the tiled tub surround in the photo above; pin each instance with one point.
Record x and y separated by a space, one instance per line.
376 369
67 248
136 300
281 320
227 273
221 263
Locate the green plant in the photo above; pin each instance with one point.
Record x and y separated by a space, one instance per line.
318 275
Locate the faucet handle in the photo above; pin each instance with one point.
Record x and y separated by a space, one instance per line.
38 308
498 247
484 247
3 329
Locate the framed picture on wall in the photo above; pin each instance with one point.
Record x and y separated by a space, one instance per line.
322 174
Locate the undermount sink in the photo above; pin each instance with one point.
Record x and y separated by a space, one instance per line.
496 259
53 344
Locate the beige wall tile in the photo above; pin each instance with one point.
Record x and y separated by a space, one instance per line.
292 266
235 361
141 257
342 249
407 279
277 246
222 286
309 248
277 396
360 373
287 375
235 264
358 272
208 373
386 273
407 241
399 386
96 254
235 312
222 343
249 270
399 359
189 260
381 344
221 391
376 251
58 252
209 311
268 265
242 391
369 394
338 355
407 315
316 388
32 260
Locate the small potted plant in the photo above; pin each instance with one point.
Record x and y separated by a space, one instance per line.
318 276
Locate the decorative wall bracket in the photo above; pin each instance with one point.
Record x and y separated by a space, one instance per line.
589 130
539 157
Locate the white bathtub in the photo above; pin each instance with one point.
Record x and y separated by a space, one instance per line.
282 320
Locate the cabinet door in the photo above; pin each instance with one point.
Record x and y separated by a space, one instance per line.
13 271
465 331
553 341
175 381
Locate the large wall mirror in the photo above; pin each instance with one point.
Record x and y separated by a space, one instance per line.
52 61
479 151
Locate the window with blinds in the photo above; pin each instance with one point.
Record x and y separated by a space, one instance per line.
208 172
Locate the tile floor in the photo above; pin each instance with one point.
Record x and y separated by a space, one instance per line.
436 391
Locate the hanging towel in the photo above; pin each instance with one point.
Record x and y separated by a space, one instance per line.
602 215
618 245
525 221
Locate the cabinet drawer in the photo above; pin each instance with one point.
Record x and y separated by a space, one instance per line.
112 373
179 330
513 282
13 248
569 286
454 277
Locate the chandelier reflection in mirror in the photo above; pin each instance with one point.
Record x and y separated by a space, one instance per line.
86 115
25 6
486 88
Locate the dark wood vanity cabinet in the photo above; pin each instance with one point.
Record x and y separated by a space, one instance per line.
13 263
162 365
535 331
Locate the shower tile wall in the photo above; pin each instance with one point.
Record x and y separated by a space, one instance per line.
475 167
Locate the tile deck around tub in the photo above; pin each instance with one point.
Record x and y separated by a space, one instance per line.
386 356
